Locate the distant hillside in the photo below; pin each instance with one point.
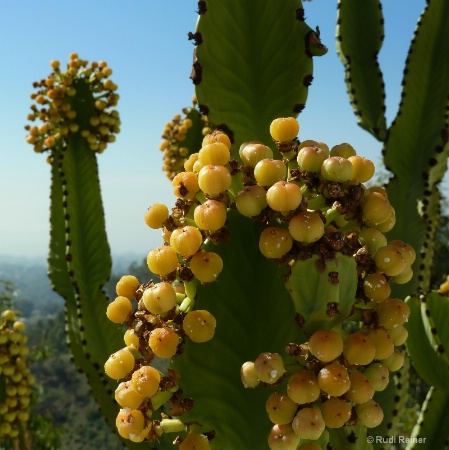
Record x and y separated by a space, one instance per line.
35 295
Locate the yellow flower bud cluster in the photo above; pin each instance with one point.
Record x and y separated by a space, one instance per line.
76 102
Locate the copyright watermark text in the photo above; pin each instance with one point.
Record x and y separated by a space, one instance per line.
395 440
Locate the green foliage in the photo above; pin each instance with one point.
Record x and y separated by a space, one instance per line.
253 65
315 299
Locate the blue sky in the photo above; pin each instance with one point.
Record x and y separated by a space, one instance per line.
145 43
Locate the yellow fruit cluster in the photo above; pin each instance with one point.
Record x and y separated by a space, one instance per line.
177 138
314 201
337 376
158 326
310 201
17 379
77 101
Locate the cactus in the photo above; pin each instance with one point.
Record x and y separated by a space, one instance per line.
274 267
15 380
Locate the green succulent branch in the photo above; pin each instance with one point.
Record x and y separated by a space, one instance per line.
416 151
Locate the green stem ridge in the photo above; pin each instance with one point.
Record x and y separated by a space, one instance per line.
431 431
254 64
360 34
416 149
79 265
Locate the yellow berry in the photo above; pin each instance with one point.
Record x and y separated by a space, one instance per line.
127 286
199 325
156 215
119 364
284 129
206 266
159 298
162 260
164 342
119 310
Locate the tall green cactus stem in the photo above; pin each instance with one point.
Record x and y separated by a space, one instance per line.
415 148
253 64
431 429
77 123
416 151
427 346
360 33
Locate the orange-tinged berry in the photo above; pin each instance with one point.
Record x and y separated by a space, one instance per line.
269 367
382 341
281 408
145 381
310 158
334 379
119 310
336 412
282 437
362 169
127 397
275 242
306 227
302 387
359 349
127 286
164 342
195 441
392 312
216 136
199 325
185 185
206 266
326 345
308 423
129 422
361 389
